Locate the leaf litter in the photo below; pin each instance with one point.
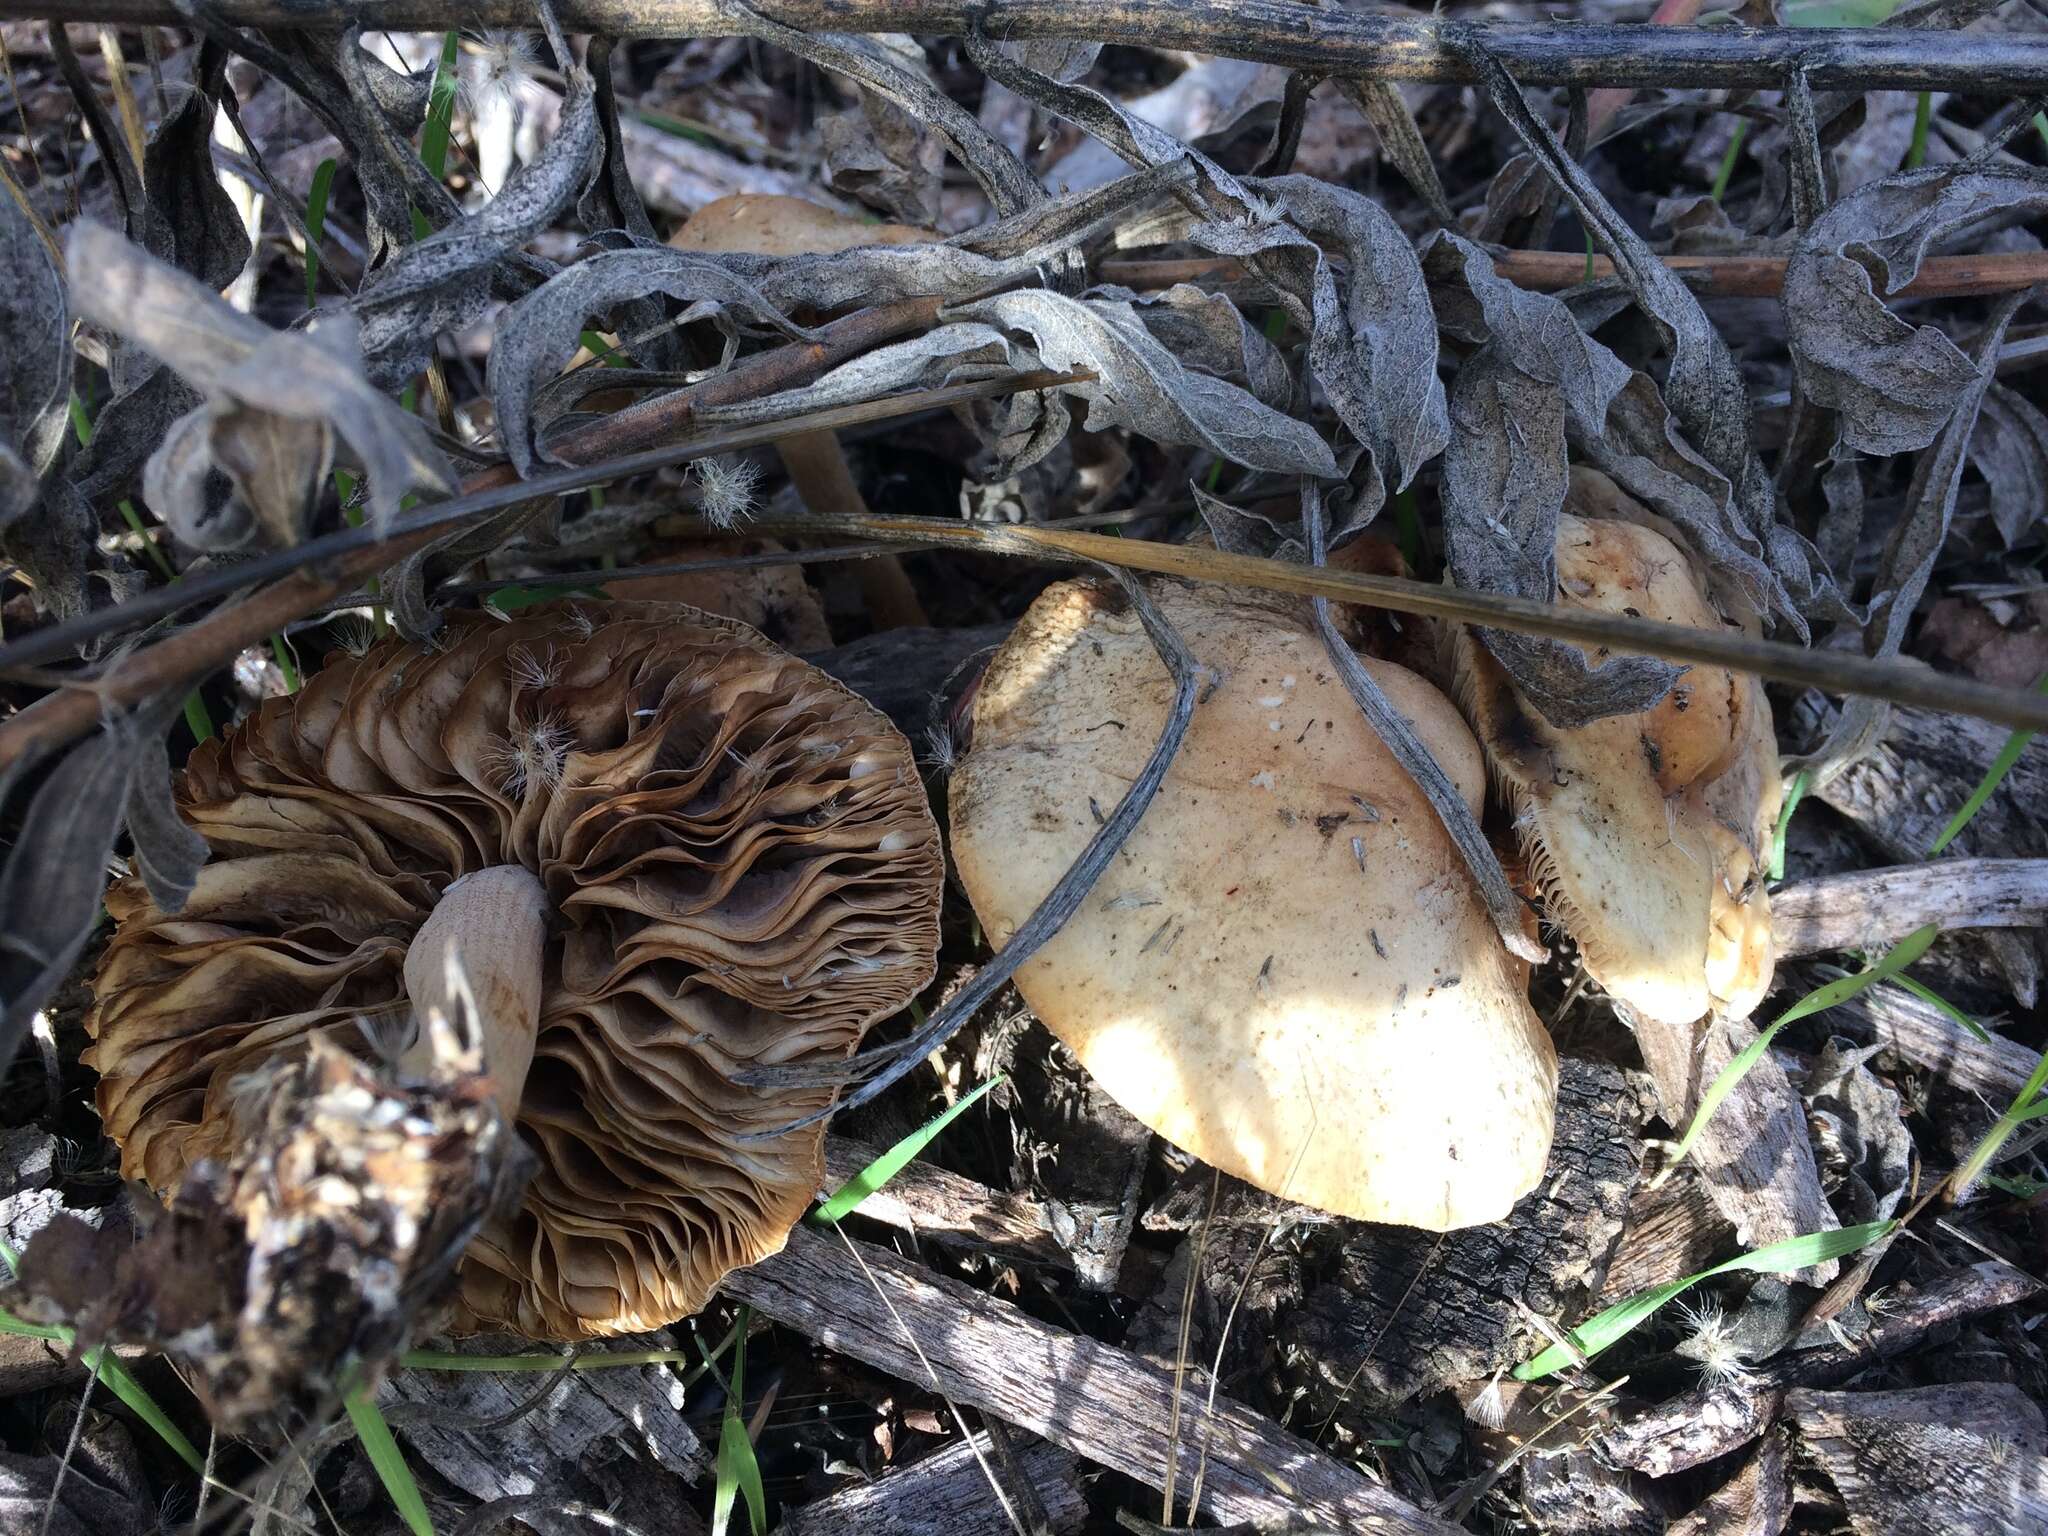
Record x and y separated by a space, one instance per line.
1287 367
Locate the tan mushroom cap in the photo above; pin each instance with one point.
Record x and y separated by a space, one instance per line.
739 865
1645 831
1286 970
770 224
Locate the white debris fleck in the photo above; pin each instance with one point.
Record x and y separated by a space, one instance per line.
1287 681
1263 780
1272 725
1273 701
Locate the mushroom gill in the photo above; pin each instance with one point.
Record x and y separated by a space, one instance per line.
1286 970
1645 831
686 851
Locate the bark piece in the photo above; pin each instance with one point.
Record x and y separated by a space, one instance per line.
1094 1400
1930 1461
1696 1427
1575 1494
1754 1154
625 1411
1423 1314
1674 1229
1756 1501
946 1494
957 1212
1866 908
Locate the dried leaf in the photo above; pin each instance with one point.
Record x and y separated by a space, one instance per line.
1206 331
274 468
1401 141
232 357
881 155
190 221
50 543
35 371
443 283
2010 450
56 871
1894 384
1909 557
1141 386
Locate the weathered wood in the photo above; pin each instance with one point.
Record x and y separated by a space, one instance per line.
1328 40
1756 1501
1927 1037
1407 1312
949 1209
1574 1493
1697 1427
1930 1461
946 1494
1095 1400
1754 1155
1868 908
1673 1230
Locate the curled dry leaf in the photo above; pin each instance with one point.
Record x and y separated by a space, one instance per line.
241 366
1894 384
733 863
34 373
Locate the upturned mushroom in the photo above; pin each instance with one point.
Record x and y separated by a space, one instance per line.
1646 832
1286 970
648 848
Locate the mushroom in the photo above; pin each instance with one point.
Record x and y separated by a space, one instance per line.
1286 970
1646 832
774 599
650 848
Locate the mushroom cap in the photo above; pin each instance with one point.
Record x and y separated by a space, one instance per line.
774 599
740 866
1646 831
769 224
1356 1039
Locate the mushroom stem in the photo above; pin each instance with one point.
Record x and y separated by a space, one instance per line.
479 955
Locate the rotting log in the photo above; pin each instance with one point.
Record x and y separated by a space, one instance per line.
1095 1400
946 1494
1696 1427
1328 40
1868 907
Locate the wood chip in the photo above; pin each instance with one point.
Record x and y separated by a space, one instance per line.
946 1494
1095 1400
1871 907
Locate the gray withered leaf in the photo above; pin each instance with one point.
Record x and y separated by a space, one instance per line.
1535 331
1894 384
395 181
1391 333
1065 59
943 354
1142 386
131 426
227 471
1004 179
315 375
880 154
1703 388
412 612
190 220
1910 554
1238 532
539 333
35 367
612 202
55 874
443 282
51 541
1505 474
2010 450
1401 140
1207 331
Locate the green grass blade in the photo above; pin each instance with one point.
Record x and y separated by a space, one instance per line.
285 664
847 1198
1795 793
2026 1105
389 1461
316 224
1927 994
1896 959
1923 116
2009 754
1730 158
440 109
739 1473
1607 1328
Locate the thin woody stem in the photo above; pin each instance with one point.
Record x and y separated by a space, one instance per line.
1327 40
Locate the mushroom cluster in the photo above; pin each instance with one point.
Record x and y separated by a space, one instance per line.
648 847
1286 970
1645 831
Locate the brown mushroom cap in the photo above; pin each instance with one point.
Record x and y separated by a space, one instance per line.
773 225
1646 831
739 866
1285 970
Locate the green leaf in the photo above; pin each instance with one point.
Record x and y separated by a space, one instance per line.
1617 1322
1927 994
1793 796
847 1198
316 224
1837 13
389 1461
738 1472
285 664
513 596
1896 959
440 110
2017 1185
2009 754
